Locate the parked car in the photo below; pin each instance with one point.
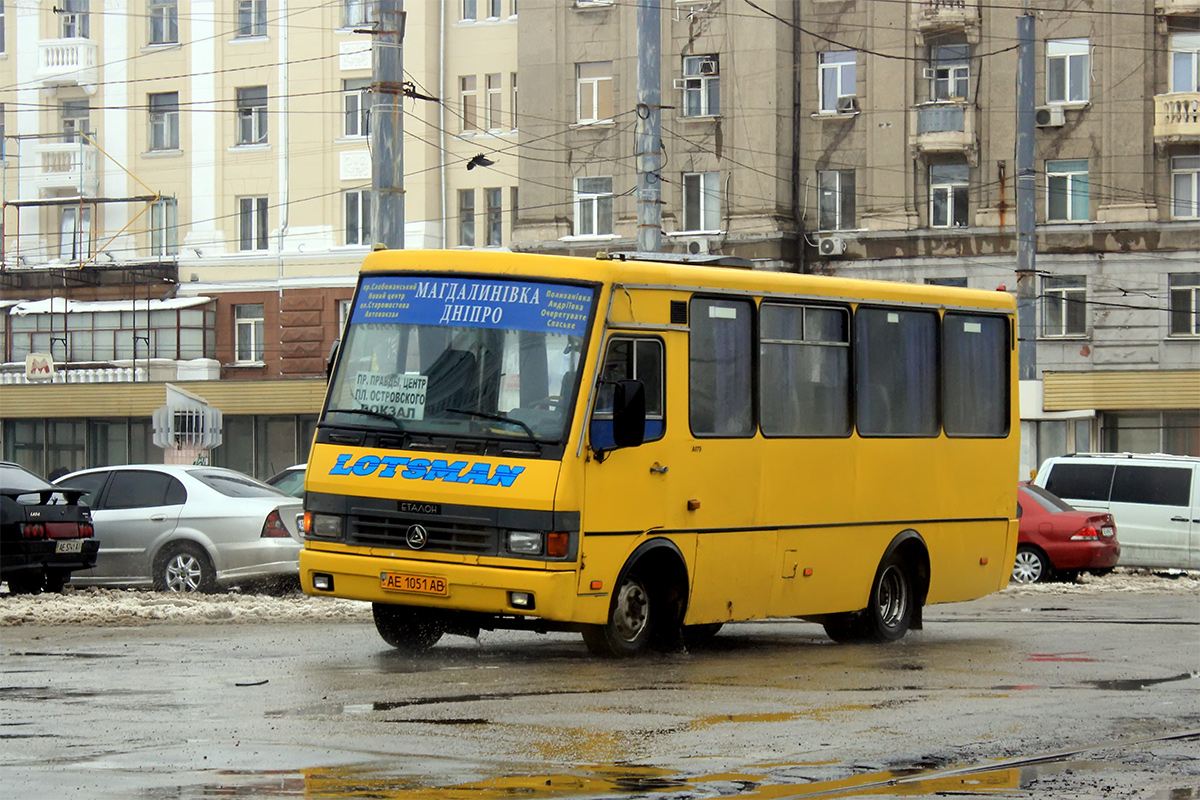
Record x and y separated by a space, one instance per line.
290 481
45 533
1056 540
188 528
1155 500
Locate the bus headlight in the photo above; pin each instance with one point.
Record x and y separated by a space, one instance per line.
325 526
528 543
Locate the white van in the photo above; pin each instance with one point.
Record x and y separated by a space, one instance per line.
1155 500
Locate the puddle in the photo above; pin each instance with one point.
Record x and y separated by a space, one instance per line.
1136 685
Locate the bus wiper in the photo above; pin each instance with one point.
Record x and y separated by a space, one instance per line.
496 418
370 412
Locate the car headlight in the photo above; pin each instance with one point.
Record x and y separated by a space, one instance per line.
527 543
324 526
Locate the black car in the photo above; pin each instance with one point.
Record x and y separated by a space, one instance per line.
45 533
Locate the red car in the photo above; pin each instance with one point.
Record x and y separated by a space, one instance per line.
1057 540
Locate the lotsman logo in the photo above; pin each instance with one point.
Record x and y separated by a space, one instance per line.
424 469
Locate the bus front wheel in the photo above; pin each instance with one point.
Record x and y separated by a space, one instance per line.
410 630
630 625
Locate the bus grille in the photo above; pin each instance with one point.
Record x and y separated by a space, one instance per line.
444 536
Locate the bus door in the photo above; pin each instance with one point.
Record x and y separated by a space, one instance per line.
628 491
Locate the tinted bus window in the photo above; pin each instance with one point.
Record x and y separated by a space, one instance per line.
895 372
1081 481
804 354
974 375
1162 486
721 362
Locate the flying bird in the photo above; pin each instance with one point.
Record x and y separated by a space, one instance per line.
479 161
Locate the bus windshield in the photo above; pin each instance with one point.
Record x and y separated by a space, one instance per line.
461 357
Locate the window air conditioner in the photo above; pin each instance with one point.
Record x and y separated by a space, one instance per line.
708 66
831 245
697 245
847 105
1049 116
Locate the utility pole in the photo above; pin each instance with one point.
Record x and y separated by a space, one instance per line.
649 126
1026 203
387 126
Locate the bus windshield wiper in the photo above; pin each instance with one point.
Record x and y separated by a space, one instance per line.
496 418
370 412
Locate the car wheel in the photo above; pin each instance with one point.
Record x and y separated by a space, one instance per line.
1031 566
56 580
890 611
630 625
184 567
410 630
29 583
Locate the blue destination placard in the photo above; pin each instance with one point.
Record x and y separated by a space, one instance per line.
473 303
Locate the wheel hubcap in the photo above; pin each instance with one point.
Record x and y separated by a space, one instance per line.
893 597
631 614
183 574
1027 568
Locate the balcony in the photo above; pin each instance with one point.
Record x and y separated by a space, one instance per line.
941 16
67 62
943 127
67 165
1169 7
1176 118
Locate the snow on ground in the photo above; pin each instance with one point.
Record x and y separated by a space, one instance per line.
115 607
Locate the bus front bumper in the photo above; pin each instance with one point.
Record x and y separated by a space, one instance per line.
550 595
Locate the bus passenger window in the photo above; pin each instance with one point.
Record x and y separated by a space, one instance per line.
975 363
895 371
720 364
804 356
632 359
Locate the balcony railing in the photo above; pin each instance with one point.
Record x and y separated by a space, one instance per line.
941 15
67 62
943 127
67 165
1177 117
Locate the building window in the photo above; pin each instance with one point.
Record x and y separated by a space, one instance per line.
594 96
248 333
252 223
344 307
358 12
75 239
1067 190
73 20
466 217
1064 305
2 26
358 217
252 18
513 84
494 8
1185 303
164 21
835 198
950 72
492 101
701 86
467 102
513 205
1185 62
356 100
252 115
76 119
468 10
164 121
959 282
701 201
495 217
1067 67
948 204
838 80
164 239
593 207
1185 187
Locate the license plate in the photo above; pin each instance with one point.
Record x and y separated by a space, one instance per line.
421 584
69 546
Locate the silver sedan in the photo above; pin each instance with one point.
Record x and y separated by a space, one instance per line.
187 528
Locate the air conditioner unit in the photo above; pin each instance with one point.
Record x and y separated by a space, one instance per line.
1049 116
831 245
847 105
697 245
708 66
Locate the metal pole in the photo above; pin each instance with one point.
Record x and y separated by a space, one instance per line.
387 126
649 126
1026 203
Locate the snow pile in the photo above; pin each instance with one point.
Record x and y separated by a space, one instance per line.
1127 579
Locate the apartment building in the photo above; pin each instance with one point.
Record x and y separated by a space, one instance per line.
187 201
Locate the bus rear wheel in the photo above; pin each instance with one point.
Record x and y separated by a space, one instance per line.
890 611
631 620
410 630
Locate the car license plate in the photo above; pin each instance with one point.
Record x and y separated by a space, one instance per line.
421 584
69 546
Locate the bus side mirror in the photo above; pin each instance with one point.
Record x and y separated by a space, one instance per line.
330 359
629 413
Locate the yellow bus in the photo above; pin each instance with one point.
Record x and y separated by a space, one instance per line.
641 450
